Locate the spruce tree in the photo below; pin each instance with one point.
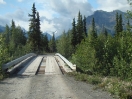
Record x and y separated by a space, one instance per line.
84 26
34 31
44 42
38 32
128 26
7 35
80 33
13 35
105 32
13 26
94 34
120 23
54 43
74 34
117 25
78 28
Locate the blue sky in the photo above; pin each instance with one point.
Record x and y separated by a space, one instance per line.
94 3
54 14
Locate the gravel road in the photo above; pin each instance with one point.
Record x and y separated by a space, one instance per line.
52 86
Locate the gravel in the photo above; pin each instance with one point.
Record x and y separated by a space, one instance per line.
54 86
48 87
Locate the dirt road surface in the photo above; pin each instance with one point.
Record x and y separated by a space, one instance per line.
51 85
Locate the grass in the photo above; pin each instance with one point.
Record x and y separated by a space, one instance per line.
118 88
1 77
86 78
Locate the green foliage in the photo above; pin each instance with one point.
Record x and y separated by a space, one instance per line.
79 31
95 80
85 59
38 33
105 33
84 26
3 54
74 34
123 60
94 33
12 45
44 43
79 28
102 54
105 56
118 88
64 44
128 26
34 31
119 24
52 44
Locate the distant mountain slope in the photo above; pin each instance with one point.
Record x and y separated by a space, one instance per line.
48 35
2 28
106 19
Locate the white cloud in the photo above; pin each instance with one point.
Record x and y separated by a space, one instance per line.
2 2
19 16
58 14
61 12
47 26
71 7
110 5
54 15
4 21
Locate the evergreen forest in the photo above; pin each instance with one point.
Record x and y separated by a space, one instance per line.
16 42
99 53
93 53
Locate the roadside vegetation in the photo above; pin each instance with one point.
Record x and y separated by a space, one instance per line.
118 88
101 58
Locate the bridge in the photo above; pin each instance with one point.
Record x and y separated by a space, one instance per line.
32 64
44 77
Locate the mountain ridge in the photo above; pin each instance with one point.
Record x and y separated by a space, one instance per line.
2 28
105 19
102 19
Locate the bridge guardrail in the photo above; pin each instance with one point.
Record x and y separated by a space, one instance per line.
16 61
72 66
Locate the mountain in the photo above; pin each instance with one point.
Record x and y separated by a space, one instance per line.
105 19
48 35
2 29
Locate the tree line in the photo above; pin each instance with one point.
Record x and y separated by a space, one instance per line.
93 53
37 41
79 31
15 41
99 53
